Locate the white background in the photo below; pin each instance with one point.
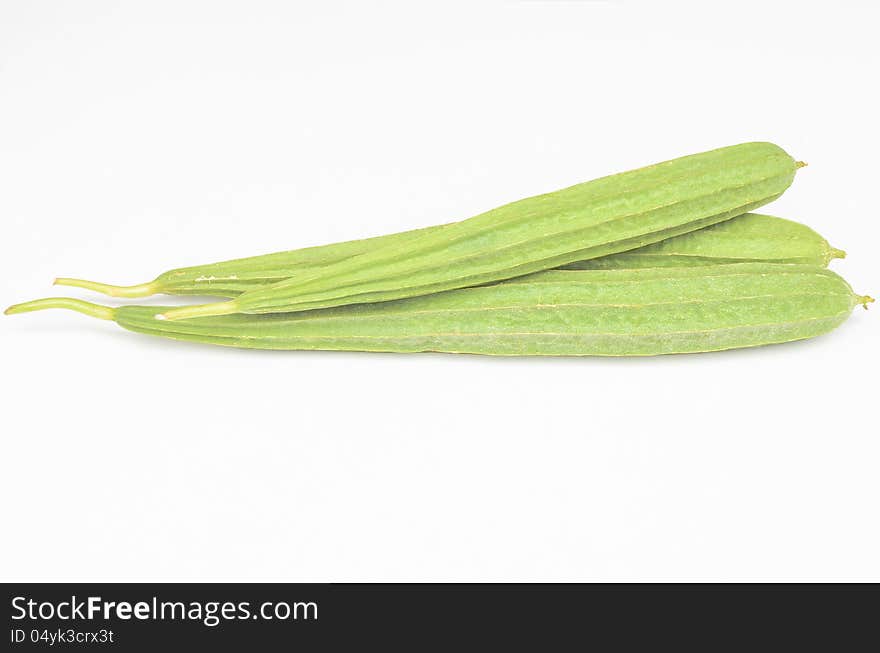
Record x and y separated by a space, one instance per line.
141 136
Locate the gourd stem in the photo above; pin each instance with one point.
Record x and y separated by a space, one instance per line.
199 310
139 290
864 300
78 305
837 253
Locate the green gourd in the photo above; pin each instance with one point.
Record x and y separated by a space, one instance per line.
626 312
596 218
748 237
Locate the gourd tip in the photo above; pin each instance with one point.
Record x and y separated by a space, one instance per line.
864 300
200 310
138 290
800 164
78 305
837 253
23 307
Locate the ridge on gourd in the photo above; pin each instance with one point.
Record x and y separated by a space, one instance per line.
748 237
636 312
596 218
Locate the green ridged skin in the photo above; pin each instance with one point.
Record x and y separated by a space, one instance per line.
749 237
752 237
638 312
231 278
605 216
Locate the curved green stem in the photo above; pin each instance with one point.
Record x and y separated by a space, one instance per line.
78 305
199 310
837 253
139 290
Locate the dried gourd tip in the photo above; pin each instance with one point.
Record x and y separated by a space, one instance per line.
864 300
801 164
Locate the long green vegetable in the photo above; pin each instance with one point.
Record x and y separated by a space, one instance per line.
555 313
748 237
597 218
